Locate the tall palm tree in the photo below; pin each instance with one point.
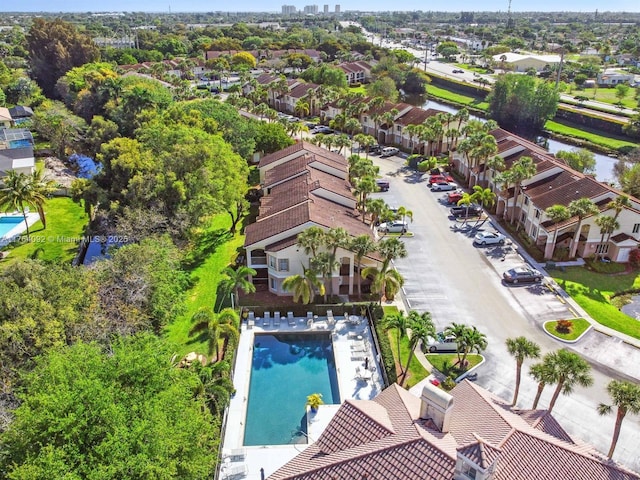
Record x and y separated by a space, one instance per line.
391 249
570 370
376 207
400 322
557 214
403 213
543 373
522 169
333 239
363 188
311 239
484 197
304 286
301 108
620 203
495 164
581 208
421 327
325 264
466 199
458 331
386 283
607 225
473 341
215 386
19 191
361 245
237 280
520 348
215 326
626 397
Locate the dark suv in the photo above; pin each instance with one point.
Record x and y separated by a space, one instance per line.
472 210
382 184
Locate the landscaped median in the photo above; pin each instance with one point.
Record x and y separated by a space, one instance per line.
570 330
448 365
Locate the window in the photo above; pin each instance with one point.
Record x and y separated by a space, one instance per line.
468 471
636 228
526 200
283 265
366 119
272 261
398 128
602 248
523 217
273 284
537 213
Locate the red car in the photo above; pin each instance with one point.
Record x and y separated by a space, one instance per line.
454 197
440 179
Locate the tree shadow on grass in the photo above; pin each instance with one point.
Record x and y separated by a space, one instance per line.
206 244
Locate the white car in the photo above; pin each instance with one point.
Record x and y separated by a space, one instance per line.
443 186
442 343
397 226
489 238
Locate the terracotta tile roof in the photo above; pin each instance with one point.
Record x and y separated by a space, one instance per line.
416 116
265 79
280 154
277 223
301 89
527 445
563 188
284 196
286 170
282 244
621 237
322 154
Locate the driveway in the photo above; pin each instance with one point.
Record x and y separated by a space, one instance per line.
457 282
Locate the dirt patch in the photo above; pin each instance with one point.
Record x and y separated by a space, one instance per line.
56 170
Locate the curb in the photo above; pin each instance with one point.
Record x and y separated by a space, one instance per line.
570 342
468 372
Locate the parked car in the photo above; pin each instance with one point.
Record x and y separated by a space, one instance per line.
443 186
457 70
472 210
383 184
454 197
375 148
321 129
396 226
440 178
442 343
489 238
524 274
389 151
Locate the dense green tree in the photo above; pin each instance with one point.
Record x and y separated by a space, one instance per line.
582 160
63 129
325 75
383 87
122 413
522 103
55 47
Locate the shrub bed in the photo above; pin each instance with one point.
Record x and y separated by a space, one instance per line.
388 363
567 329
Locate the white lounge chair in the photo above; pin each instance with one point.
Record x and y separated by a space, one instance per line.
234 453
239 470
290 319
252 316
266 321
309 315
276 319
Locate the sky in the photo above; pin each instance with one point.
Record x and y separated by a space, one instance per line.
275 5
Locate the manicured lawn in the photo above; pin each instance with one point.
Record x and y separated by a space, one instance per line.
444 362
583 133
215 252
359 89
66 222
607 95
457 98
580 325
416 371
592 292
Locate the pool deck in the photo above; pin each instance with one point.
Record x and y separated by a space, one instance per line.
19 228
345 336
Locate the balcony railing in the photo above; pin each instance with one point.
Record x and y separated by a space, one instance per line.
258 260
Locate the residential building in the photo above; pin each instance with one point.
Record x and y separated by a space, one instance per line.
16 151
5 118
289 9
524 62
554 183
20 114
611 77
356 72
337 9
311 10
326 9
304 186
466 434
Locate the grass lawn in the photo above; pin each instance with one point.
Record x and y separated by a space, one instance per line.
592 291
66 222
583 133
580 325
416 371
606 95
359 89
216 252
444 362
457 98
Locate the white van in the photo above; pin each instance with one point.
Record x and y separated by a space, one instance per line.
388 151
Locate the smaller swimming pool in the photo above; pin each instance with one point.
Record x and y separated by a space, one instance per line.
8 223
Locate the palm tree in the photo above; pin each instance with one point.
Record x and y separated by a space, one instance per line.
458 331
570 370
412 131
301 108
366 141
385 283
421 327
466 199
215 386
557 214
520 348
376 207
400 322
620 203
215 326
626 397
311 239
324 264
607 225
304 286
404 213
522 169
237 280
361 246
18 191
472 340
333 239
543 373
484 197
364 187
495 164
580 208
391 249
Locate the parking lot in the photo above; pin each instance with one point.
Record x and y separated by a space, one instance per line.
447 275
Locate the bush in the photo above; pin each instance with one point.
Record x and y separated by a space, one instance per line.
388 362
564 326
424 166
449 383
634 258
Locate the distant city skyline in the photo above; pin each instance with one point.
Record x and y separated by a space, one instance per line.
275 6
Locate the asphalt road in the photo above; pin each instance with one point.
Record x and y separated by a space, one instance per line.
457 282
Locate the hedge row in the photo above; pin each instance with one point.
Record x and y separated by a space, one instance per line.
386 353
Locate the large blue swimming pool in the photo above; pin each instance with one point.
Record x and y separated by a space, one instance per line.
8 223
287 367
